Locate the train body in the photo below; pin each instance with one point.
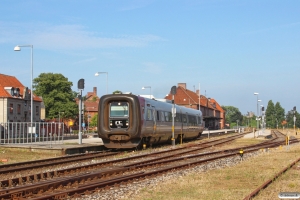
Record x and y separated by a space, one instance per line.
127 121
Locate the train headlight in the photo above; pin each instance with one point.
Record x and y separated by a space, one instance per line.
126 123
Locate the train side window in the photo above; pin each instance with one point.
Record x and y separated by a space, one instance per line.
192 120
184 119
199 120
178 117
157 116
162 116
166 117
149 114
170 116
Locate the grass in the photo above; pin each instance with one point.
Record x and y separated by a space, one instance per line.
14 155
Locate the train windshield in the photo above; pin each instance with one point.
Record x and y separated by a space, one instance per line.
119 109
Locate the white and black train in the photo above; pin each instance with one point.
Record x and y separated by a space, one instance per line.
128 121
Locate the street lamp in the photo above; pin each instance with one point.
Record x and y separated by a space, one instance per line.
98 73
17 48
255 93
147 87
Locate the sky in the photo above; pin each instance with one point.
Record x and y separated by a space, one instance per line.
230 49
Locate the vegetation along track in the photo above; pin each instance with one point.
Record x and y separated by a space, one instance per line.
85 179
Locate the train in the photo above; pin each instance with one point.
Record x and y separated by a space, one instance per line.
127 121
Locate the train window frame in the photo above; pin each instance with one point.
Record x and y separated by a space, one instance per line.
157 115
199 120
184 118
178 117
149 114
111 104
162 116
192 120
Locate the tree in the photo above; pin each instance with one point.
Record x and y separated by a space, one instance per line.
55 89
270 115
279 114
232 114
290 119
94 120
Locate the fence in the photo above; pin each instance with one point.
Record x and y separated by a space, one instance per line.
24 132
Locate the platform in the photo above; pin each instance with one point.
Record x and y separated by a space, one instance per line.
258 134
64 147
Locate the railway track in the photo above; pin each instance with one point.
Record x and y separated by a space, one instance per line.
77 181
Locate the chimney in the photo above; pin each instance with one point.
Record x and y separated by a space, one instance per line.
182 85
197 92
95 91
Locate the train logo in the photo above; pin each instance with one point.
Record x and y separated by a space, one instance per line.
119 124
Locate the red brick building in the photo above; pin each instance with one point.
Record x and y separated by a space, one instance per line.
213 114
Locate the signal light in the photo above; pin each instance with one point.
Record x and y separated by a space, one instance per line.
80 84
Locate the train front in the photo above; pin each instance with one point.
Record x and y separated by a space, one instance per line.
119 119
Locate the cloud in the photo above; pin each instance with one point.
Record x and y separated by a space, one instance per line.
69 37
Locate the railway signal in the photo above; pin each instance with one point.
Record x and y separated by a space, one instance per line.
80 86
173 92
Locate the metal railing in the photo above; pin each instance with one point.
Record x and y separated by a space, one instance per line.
24 132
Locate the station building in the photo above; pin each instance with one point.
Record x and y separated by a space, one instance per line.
213 114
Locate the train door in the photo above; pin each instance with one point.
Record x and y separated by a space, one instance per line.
185 126
154 120
151 121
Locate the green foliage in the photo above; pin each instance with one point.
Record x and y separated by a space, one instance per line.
232 114
117 92
274 115
56 92
279 113
290 119
270 115
94 120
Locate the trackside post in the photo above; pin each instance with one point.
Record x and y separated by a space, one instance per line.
173 92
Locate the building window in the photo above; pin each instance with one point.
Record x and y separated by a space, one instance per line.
11 108
36 110
19 109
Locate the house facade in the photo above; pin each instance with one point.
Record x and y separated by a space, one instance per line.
15 101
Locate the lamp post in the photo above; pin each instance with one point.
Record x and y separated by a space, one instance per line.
256 93
17 48
262 117
147 87
98 73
